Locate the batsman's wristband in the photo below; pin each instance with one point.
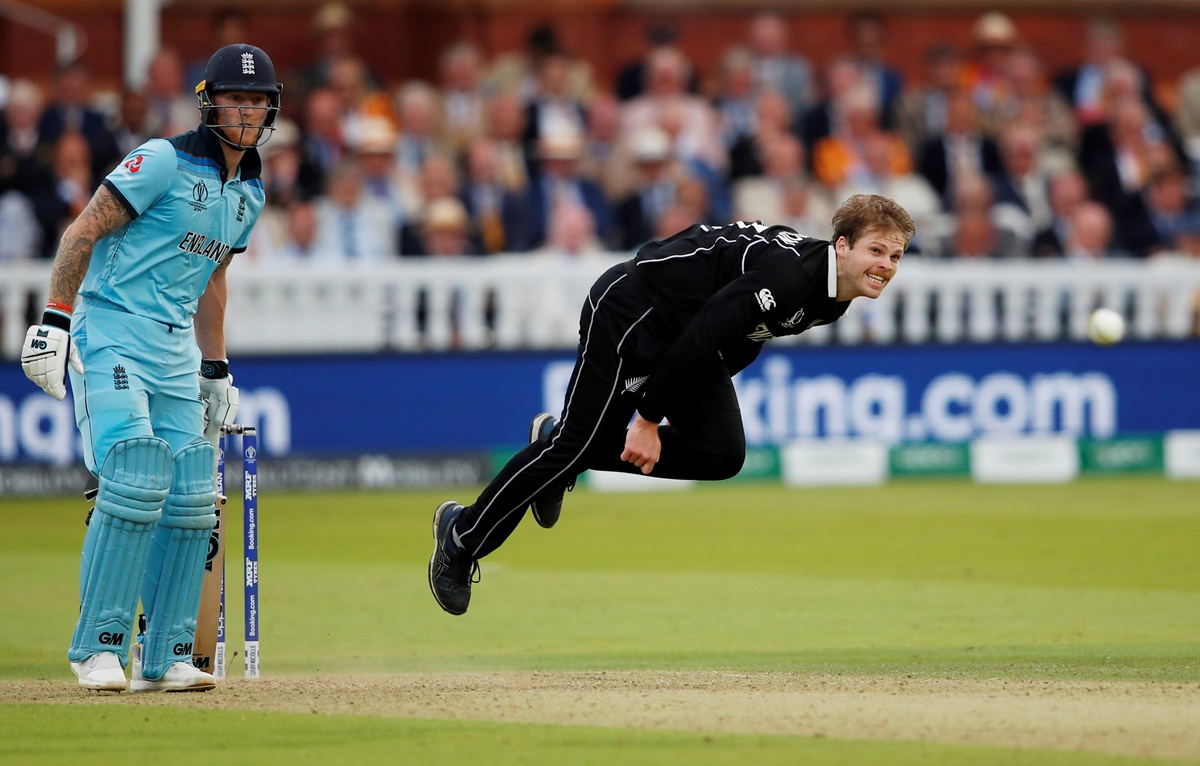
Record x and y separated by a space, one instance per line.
57 315
214 369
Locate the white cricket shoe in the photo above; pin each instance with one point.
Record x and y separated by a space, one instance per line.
101 672
180 677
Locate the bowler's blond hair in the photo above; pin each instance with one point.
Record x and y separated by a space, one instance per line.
871 212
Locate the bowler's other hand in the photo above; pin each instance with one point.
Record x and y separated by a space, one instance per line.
642 446
45 355
220 399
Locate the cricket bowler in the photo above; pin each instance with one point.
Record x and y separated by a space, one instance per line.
660 338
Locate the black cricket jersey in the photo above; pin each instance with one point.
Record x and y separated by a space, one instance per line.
720 292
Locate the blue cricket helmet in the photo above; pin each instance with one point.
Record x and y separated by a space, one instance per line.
240 67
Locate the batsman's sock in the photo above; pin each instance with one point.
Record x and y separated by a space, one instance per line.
174 573
133 487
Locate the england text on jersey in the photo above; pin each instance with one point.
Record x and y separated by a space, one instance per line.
212 249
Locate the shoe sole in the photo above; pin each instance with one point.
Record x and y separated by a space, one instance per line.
535 428
437 521
108 687
145 687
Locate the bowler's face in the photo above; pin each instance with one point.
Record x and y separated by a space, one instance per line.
867 267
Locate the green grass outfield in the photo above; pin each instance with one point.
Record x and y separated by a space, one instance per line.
1097 580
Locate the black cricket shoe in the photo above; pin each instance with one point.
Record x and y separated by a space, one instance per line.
451 569
547 505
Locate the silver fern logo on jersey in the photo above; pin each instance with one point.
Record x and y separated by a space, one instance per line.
766 301
794 320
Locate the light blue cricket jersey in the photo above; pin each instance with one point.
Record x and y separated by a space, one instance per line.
185 223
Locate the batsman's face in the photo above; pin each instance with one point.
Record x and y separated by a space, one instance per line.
865 268
240 115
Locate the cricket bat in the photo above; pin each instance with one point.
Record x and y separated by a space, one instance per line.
208 649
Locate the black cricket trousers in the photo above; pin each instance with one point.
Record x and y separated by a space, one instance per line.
617 350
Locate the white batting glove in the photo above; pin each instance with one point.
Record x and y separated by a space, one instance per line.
219 396
47 352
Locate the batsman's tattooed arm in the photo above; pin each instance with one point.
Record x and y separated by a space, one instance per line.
103 215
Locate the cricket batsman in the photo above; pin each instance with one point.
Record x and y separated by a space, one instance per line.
145 345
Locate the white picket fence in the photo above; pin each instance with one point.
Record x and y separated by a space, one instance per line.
522 301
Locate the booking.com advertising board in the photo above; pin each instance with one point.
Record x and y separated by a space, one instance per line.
469 403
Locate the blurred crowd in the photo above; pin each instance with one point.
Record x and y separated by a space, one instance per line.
527 152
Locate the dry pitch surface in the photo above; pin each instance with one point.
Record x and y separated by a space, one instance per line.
1133 719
